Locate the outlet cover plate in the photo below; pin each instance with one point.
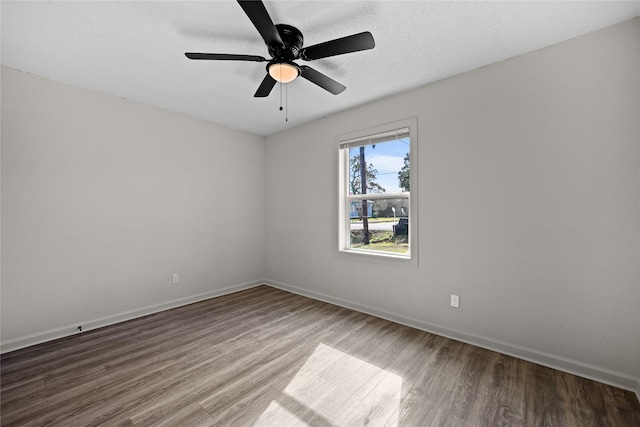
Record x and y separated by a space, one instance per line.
455 301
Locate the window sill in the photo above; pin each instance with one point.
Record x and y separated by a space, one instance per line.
378 257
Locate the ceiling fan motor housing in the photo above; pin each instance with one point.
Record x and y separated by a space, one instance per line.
292 39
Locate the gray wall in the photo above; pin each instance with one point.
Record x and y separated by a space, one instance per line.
103 199
529 208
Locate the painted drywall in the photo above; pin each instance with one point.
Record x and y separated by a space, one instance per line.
529 207
103 199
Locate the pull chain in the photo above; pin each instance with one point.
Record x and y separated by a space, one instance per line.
286 101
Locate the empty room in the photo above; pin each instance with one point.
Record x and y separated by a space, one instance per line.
320 213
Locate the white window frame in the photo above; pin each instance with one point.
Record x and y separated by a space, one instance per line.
342 142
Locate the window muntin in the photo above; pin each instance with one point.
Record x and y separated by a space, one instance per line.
374 219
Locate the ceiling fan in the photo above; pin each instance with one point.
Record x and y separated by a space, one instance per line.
284 43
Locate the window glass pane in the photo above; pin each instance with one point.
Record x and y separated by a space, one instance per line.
384 167
374 193
384 226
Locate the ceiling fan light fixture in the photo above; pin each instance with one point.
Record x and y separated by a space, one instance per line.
284 72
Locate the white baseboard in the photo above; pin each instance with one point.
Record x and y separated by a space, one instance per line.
603 375
87 325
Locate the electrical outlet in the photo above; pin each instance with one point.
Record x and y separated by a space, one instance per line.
176 278
455 301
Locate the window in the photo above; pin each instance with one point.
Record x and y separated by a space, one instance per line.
377 205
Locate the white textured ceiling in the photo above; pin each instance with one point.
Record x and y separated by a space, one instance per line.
135 50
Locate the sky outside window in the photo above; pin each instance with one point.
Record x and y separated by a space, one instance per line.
388 159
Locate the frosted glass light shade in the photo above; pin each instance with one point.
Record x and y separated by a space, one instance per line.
283 72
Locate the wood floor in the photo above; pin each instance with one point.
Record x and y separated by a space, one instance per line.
268 357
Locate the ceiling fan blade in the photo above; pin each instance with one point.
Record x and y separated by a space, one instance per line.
224 57
321 80
353 43
265 87
258 14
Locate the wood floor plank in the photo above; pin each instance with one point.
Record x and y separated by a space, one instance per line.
463 399
190 415
57 407
445 419
378 405
507 383
250 406
21 390
155 349
543 399
252 363
276 410
267 357
238 357
414 411
496 411
340 403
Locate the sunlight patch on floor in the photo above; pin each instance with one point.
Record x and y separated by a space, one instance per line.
278 415
335 388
